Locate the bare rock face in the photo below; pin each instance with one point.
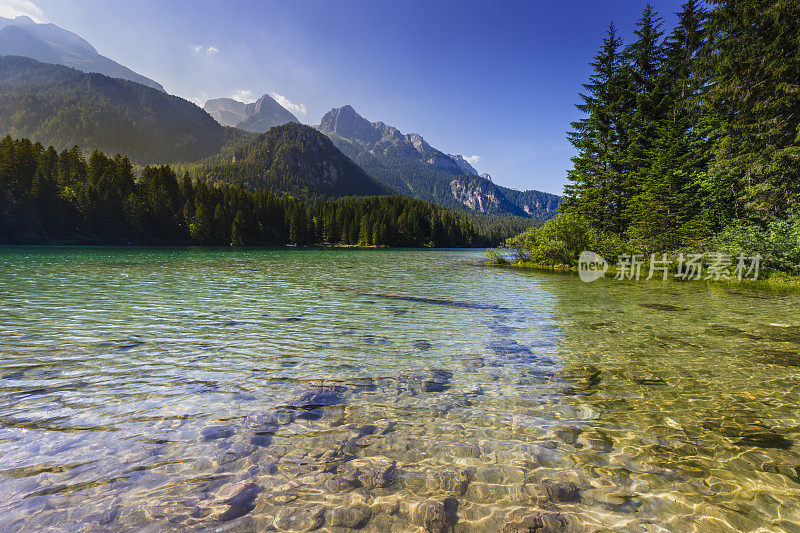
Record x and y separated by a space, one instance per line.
264 115
476 195
348 124
257 117
381 138
464 165
411 166
226 111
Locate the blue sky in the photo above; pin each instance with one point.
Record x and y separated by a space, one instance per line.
492 79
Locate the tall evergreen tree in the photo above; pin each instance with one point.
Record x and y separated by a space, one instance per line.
754 68
597 179
666 209
644 59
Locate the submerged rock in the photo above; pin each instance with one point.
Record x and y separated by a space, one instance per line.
433 380
422 345
320 396
583 378
780 333
527 522
449 482
509 347
430 515
787 358
291 518
370 472
351 516
748 434
210 433
473 362
552 490
429 300
241 502
663 307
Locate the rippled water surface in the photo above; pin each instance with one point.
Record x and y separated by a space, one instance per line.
185 389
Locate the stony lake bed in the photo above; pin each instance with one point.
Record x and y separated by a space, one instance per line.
387 390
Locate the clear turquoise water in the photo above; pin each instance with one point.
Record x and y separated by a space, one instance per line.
190 389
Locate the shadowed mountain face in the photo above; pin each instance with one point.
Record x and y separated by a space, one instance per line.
292 159
409 165
49 43
258 117
64 107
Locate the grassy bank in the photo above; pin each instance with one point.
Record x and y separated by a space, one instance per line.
771 281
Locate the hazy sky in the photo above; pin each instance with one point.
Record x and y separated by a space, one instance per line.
492 79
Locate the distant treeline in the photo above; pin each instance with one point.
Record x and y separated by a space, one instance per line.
51 197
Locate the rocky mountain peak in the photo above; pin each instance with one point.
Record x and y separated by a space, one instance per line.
418 142
258 117
346 123
463 164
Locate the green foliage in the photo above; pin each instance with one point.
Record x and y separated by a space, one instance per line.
561 240
65 107
753 97
499 228
598 188
778 243
689 136
47 197
497 256
290 159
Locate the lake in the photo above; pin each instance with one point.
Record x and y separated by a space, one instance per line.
387 390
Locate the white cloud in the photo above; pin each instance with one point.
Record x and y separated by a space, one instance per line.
286 103
473 159
15 8
244 96
200 49
200 100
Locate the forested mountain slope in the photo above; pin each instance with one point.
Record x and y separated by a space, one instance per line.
62 106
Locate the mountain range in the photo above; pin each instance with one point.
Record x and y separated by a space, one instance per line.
124 112
411 166
48 43
63 107
256 117
290 159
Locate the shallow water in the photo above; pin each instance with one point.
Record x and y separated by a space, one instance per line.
387 390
